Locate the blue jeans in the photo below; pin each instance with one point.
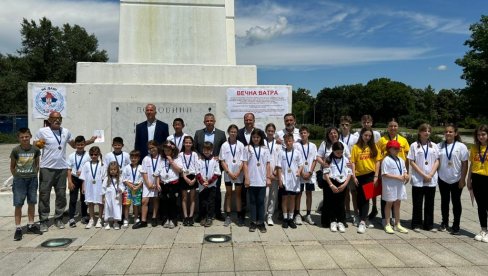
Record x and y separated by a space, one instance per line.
256 204
22 188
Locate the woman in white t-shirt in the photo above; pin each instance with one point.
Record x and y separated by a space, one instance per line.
453 168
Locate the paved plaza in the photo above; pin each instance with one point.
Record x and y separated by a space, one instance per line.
308 250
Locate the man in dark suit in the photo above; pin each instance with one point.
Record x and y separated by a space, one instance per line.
217 137
151 129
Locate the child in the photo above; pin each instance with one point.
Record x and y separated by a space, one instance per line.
76 161
93 174
132 178
168 173
478 177
367 121
272 190
257 174
121 157
150 189
308 152
351 193
337 179
24 166
289 169
394 177
208 174
177 137
453 168
365 160
230 158
189 160
113 187
424 160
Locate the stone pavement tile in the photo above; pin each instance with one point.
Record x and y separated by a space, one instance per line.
361 271
132 237
15 261
282 257
379 256
180 274
380 234
217 273
253 273
114 262
5 233
480 245
468 252
8 244
183 260
411 256
274 235
81 234
3 254
80 262
45 263
468 271
52 234
103 239
442 255
250 258
315 257
352 234
302 233
434 271
149 261
187 234
218 229
242 235
215 259
159 239
289 272
324 234
347 256
328 272
397 271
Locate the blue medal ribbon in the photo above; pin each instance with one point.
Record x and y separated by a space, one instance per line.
257 155
60 137
134 173
348 137
482 159
398 164
179 141
291 159
121 159
233 153
206 167
154 165
426 152
308 151
167 166
272 145
189 161
449 155
78 164
342 165
94 174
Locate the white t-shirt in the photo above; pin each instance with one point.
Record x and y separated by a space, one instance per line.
123 159
257 174
233 161
450 170
324 152
178 140
89 173
132 175
349 140
310 150
290 162
393 189
167 172
274 150
417 154
150 165
207 169
376 135
76 162
190 164
339 170
296 134
54 152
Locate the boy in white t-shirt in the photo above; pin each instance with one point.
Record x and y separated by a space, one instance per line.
207 177
121 157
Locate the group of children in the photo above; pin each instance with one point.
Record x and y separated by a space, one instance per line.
274 172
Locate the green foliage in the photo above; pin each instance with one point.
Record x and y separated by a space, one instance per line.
316 132
8 138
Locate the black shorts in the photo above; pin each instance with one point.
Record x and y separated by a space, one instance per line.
309 187
289 193
185 186
227 184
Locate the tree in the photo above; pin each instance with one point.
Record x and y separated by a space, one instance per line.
475 67
302 105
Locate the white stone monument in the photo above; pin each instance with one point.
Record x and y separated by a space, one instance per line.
177 54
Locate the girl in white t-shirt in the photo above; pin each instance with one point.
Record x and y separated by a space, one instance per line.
113 187
423 158
93 175
188 182
272 190
230 160
257 173
394 177
453 168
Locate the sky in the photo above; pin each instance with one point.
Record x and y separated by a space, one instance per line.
309 44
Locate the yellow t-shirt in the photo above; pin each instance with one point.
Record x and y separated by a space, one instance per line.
404 146
362 160
474 156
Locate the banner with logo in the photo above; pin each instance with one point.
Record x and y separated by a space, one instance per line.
48 99
264 102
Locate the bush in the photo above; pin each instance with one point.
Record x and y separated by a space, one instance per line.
470 123
413 138
8 138
316 132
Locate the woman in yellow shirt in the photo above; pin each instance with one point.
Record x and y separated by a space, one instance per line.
365 161
478 177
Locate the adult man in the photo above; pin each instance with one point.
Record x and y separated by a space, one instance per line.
244 134
151 129
290 122
53 168
217 137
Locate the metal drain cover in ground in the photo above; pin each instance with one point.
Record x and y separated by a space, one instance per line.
57 242
217 238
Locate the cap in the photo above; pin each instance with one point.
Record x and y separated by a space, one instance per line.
393 144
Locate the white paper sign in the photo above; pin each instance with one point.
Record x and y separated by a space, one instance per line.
99 133
48 99
262 101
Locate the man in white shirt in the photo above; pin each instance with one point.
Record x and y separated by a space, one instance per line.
290 122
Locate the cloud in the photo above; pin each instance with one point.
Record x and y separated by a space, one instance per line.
441 67
259 34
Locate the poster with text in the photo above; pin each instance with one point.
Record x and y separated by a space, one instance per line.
48 99
262 101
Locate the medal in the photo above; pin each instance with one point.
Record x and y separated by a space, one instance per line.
258 164
257 155
185 172
94 173
166 176
234 161
449 163
426 163
167 166
289 170
289 161
233 153
187 164
449 154
305 154
58 140
426 152
306 163
154 165
339 169
59 148
94 181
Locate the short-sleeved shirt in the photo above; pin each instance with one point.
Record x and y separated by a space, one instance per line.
310 150
132 175
475 155
207 169
178 140
392 167
450 170
349 140
338 169
417 154
290 163
167 172
323 151
76 162
123 159
404 146
150 165
281 133
257 174
231 155
363 161
25 165
274 150
52 157
189 162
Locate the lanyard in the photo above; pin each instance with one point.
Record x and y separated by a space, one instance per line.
206 167
342 165
482 159
389 137
187 164
426 152
179 141
60 137
154 165
258 155
291 159
398 164
121 159
134 173
167 166
348 137
94 174
308 151
233 153
113 184
78 164
449 155
272 145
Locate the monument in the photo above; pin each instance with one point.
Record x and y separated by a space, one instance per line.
179 55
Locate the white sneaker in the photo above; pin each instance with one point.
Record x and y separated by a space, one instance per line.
137 220
333 226
309 220
116 226
89 224
369 224
166 224
362 228
126 224
99 223
270 221
171 225
341 227
107 226
480 236
298 219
